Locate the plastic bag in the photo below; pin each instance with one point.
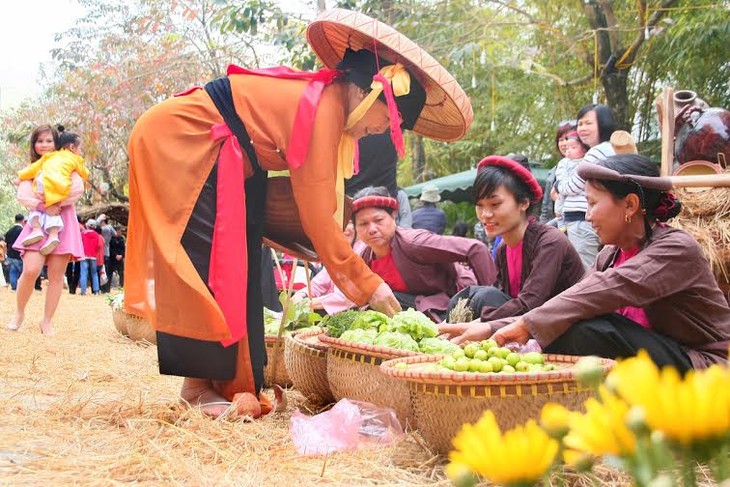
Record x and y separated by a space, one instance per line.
346 426
530 346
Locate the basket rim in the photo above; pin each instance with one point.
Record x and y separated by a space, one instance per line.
127 315
306 339
367 349
480 378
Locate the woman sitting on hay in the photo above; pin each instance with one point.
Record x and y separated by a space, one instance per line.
422 268
651 287
192 237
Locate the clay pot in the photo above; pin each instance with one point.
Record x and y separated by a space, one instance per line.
703 134
282 226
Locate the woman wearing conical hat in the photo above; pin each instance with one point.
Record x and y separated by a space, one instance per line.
192 236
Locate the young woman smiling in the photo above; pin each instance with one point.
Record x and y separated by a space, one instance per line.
535 261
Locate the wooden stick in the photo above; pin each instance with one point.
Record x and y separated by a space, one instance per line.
667 131
309 284
282 324
282 276
701 181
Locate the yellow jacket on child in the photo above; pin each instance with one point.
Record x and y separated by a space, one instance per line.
55 170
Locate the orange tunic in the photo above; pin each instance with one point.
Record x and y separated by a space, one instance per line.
172 154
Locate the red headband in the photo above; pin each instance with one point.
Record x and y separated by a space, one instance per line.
518 170
374 201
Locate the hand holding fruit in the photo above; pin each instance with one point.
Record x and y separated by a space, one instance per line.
514 332
384 301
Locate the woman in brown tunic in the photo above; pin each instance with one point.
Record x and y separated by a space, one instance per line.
198 184
534 262
651 287
424 269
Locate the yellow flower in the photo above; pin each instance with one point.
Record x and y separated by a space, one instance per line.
602 430
521 455
555 419
687 410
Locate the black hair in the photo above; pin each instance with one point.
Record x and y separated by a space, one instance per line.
19 217
638 165
359 67
460 229
67 139
490 178
604 117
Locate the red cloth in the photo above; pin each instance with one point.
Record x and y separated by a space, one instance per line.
514 269
631 312
386 269
228 256
90 241
301 134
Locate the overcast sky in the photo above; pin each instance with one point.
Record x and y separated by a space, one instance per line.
27 28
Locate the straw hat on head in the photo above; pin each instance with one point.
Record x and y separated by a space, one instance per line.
447 113
431 193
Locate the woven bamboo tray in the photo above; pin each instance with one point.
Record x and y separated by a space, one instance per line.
275 352
136 328
306 362
444 401
353 371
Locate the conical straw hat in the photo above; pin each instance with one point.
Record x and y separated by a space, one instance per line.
447 114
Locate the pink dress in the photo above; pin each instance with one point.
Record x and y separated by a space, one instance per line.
70 235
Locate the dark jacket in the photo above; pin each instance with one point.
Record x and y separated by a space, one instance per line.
116 246
10 237
669 278
428 217
550 265
432 266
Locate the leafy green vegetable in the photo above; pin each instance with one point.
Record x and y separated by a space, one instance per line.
338 323
436 346
360 335
395 339
370 319
415 323
299 315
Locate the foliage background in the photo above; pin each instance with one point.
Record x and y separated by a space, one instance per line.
526 64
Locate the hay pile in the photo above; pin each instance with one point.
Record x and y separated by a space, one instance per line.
706 216
88 406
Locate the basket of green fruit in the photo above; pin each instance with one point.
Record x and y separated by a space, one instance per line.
299 318
306 362
357 349
450 390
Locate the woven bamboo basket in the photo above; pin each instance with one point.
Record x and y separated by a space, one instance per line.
353 371
306 363
275 352
136 328
444 401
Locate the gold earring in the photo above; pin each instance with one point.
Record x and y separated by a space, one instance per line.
627 218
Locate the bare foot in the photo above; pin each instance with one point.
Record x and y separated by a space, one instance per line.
46 328
200 393
15 322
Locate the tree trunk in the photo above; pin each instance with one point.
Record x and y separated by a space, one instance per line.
418 158
617 95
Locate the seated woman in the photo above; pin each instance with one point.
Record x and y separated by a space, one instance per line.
535 261
423 269
651 288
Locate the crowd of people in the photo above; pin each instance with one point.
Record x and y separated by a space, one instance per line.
601 274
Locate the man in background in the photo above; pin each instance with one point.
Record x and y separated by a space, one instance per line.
107 231
15 263
428 216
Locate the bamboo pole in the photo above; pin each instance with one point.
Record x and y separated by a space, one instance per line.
667 123
701 181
